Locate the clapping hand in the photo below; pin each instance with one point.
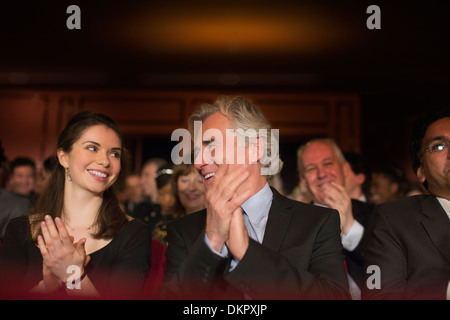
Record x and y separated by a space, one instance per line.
59 252
339 199
224 204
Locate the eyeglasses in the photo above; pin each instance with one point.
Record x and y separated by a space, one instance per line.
437 147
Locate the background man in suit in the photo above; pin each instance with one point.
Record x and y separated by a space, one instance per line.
410 238
250 241
322 165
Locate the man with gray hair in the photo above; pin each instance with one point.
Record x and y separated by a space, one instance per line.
323 167
250 241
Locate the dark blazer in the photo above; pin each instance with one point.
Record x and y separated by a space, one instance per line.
410 242
300 257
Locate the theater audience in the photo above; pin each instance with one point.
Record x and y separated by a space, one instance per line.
78 222
11 205
219 252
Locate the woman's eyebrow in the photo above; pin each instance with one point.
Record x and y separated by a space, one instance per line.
98 144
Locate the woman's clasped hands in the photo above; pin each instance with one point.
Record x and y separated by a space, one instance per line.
59 252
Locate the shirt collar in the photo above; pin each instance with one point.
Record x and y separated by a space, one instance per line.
445 204
258 206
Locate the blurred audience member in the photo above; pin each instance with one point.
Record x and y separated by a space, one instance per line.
357 178
44 173
387 184
148 178
149 209
276 182
11 205
189 189
323 166
133 192
22 180
167 200
301 193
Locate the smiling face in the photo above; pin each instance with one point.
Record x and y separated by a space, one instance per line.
321 166
23 180
215 143
191 192
94 161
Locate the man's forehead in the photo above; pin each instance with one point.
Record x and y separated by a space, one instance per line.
439 129
216 121
318 151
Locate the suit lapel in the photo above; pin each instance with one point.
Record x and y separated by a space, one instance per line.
277 223
437 225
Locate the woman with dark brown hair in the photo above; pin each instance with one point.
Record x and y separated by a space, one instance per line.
77 238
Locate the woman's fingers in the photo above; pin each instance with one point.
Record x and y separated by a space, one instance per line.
42 247
64 235
49 243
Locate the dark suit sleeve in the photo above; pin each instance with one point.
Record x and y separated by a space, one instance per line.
194 274
387 250
265 274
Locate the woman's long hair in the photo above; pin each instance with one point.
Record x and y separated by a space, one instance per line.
111 218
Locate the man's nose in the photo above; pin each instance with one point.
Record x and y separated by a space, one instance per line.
321 172
198 159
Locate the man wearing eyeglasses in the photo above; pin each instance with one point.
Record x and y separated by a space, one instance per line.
409 239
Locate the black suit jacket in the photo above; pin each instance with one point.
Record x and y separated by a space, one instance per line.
410 242
300 257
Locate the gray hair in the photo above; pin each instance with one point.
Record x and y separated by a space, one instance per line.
327 141
246 117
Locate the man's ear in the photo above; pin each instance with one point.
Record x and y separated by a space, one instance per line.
62 158
361 177
346 168
420 174
257 149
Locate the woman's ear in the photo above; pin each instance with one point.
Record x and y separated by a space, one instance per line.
62 158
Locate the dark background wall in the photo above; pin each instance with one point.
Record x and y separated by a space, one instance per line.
208 48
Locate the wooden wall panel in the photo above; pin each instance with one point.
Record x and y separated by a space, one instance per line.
23 127
31 120
148 115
